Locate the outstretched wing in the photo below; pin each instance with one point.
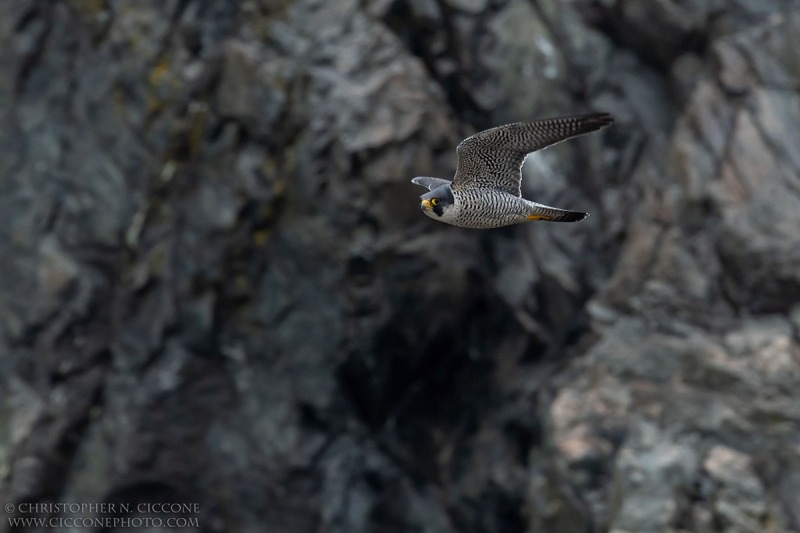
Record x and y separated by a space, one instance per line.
493 158
429 183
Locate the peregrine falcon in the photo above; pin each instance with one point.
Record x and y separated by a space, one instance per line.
485 192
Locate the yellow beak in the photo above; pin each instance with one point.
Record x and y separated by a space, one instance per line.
426 204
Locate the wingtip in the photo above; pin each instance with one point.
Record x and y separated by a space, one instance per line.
601 118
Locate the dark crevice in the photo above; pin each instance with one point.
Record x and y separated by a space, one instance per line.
30 60
526 434
60 455
494 511
652 49
417 35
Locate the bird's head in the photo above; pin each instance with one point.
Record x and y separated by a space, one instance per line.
437 202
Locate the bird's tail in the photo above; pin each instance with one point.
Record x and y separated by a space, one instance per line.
554 214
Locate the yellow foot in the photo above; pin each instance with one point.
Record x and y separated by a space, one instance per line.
539 217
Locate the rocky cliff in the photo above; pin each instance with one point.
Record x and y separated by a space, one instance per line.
216 285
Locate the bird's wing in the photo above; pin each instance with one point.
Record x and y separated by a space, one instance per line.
493 158
429 183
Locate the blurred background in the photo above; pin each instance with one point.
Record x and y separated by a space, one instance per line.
216 285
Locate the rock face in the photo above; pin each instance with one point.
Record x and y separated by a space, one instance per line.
217 287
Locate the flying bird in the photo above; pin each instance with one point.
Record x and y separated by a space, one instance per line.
485 191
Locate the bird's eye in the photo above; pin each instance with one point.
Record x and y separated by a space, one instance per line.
434 201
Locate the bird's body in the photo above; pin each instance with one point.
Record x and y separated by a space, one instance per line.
498 208
485 192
